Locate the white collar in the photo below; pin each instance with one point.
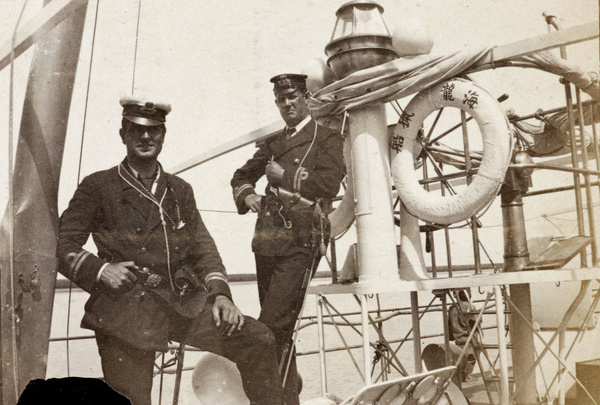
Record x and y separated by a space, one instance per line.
301 125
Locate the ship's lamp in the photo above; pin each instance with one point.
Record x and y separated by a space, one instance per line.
360 39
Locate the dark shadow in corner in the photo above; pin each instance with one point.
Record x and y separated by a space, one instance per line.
71 390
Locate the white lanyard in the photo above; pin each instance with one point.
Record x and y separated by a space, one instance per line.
162 213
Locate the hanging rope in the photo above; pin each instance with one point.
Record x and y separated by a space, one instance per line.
85 110
11 217
83 139
137 31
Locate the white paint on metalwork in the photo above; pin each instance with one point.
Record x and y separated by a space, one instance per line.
412 262
377 255
343 215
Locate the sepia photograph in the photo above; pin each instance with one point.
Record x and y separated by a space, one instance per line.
315 202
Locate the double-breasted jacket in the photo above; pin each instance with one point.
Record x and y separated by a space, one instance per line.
313 166
162 233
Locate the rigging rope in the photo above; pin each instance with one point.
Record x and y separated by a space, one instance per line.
137 31
87 94
85 110
11 218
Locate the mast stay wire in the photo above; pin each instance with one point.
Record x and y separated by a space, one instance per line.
85 111
11 217
83 136
82 143
135 52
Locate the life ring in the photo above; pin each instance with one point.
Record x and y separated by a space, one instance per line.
497 147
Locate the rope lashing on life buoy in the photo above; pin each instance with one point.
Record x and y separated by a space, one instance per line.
497 147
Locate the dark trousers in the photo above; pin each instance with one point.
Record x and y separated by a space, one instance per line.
280 280
129 370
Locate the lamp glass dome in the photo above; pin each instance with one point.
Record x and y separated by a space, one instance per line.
362 18
360 39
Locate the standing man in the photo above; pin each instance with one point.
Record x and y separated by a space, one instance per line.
304 166
157 275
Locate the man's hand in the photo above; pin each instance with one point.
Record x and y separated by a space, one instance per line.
252 201
227 316
274 171
118 278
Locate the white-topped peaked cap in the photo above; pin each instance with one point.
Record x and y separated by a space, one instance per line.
142 111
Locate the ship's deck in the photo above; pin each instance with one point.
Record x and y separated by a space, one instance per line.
460 281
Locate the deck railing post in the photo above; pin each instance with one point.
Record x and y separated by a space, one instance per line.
588 186
552 22
516 257
414 301
321 342
473 221
503 354
364 310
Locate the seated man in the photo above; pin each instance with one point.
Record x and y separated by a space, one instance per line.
461 319
158 275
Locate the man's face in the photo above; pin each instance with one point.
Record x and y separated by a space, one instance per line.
292 107
143 142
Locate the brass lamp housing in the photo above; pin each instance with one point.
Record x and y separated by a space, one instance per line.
360 39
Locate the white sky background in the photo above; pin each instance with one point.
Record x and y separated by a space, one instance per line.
212 61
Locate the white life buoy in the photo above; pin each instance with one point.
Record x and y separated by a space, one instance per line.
497 146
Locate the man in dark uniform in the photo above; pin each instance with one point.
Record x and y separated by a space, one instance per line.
461 320
304 166
157 276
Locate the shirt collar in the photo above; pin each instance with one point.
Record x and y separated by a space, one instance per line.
135 174
301 125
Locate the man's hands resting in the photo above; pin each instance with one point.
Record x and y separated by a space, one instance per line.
118 278
252 201
227 316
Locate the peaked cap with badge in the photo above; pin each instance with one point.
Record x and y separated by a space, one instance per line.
313 166
291 230
288 83
178 276
141 111
125 220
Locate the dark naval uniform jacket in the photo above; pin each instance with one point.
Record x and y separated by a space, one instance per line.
313 166
126 224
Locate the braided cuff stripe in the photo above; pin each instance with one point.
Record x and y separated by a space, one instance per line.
239 190
214 276
75 261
